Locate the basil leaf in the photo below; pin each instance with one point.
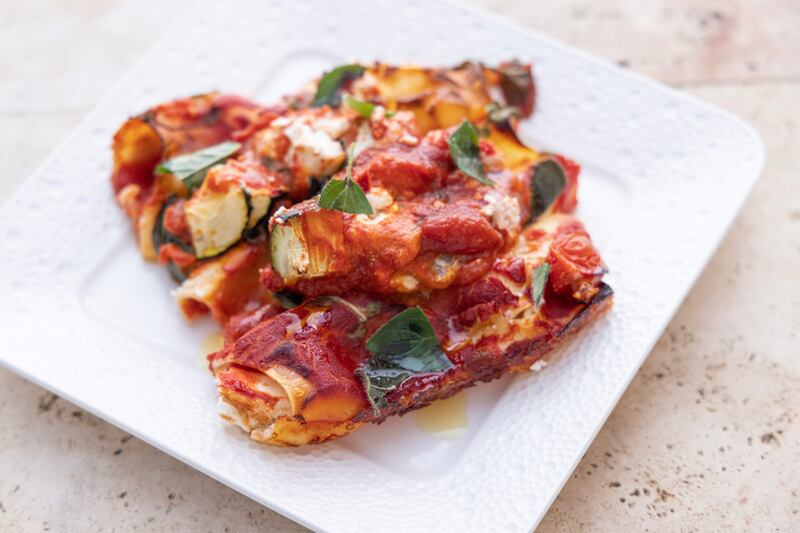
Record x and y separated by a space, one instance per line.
516 82
191 168
364 109
407 341
548 181
502 115
464 149
345 195
331 82
404 347
379 382
539 280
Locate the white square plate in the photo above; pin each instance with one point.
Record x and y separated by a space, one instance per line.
83 315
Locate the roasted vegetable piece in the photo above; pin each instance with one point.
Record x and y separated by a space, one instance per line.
297 146
169 130
233 198
432 227
317 372
174 128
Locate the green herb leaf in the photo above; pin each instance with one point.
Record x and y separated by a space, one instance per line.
540 275
191 168
464 149
364 109
502 115
407 341
345 195
516 82
404 347
548 181
331 82
379 382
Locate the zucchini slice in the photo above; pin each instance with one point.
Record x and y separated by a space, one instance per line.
217 220
259 201
288 252
159 234
307 244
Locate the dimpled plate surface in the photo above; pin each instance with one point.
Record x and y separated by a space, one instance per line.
82 315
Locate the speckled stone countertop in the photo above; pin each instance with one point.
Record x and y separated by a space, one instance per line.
707 436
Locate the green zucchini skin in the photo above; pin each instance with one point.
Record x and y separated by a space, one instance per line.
176 273
160 234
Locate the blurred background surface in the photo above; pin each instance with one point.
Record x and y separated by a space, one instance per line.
707 437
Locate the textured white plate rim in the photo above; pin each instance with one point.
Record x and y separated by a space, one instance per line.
681 95
757 146
121 424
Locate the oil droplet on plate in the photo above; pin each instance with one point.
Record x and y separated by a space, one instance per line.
211 343
445 419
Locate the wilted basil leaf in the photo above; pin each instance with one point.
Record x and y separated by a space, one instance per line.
502 115
379 382
345 195
516 82
191 168
465 152
539 280
404 347
547 183
331 82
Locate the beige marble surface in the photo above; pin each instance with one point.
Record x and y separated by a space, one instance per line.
707 436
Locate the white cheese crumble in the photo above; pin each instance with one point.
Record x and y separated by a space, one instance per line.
313 146
333 126
539 365
379 198
313 152
503 210
364 139
278 215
